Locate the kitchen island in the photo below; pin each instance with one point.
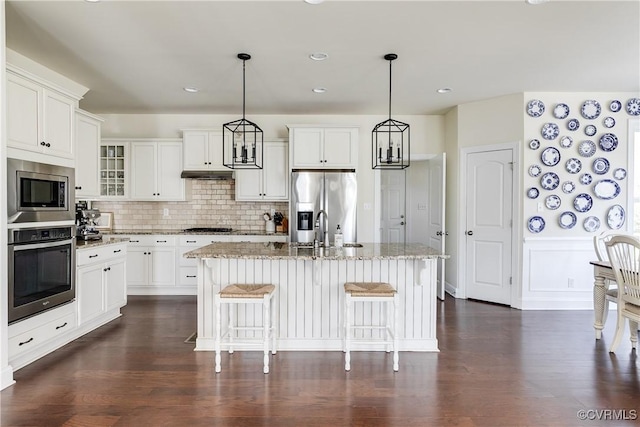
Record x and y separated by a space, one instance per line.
309 289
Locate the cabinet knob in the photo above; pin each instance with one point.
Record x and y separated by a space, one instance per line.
48 145
43 143
78 188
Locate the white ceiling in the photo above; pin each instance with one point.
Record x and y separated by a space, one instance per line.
136 56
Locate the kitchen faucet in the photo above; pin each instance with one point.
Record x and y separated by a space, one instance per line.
326 232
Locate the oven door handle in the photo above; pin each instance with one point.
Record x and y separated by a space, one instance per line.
30 246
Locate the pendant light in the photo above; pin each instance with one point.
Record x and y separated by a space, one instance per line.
390 139
242 139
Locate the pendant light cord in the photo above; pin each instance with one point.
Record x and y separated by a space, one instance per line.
243 86
390 89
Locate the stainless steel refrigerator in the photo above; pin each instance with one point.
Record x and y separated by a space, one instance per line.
335 193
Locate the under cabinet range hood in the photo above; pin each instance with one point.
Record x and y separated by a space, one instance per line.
212 175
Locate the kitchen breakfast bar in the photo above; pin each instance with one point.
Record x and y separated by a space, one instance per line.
309 281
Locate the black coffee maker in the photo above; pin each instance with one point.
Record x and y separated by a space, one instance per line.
86 219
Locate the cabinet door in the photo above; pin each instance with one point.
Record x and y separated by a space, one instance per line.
195 146
143 170
90 292
24 100
87 156
170 186
249 184
163 267
113 169
215 152
340 148
307 148
116 285
137 266
275 175
58 116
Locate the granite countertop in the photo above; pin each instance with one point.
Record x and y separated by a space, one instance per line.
84 244
188 233
271 250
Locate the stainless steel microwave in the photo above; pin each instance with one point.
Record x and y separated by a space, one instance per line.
38 192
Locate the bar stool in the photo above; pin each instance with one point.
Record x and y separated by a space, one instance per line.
245 294
375 292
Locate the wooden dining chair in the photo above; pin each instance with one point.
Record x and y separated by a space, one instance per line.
624 255
611 289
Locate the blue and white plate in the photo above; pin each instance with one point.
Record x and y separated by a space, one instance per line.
535 170
615 217
600 166
586 179
590 109
561 111
552 202
566 142
568 187
573 165
535 224
590 130
608 142
533 193
615 106
550 131
620 174
633 106
583 202
535 108
591 224
534 144
550 156
549 181
573 124
606 189
587 148
609 122
567 220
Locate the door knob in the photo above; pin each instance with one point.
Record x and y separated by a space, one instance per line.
401 216
469 233
402 223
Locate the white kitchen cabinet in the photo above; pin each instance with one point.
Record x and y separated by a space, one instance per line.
323 147
202 149
40 119
87 154
114 156
187 267
151 265
155 170
269 183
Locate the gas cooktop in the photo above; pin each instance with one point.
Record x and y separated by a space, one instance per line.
207 230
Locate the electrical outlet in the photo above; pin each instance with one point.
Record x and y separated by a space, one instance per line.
422 206
366 206
570 282
165 212
539 206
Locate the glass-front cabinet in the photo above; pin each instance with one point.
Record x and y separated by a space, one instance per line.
112 170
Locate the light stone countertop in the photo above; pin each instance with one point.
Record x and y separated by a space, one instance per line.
271 250
82 244
188 233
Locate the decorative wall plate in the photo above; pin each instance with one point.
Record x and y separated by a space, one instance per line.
567 220
552 202
583 202
535 170
590 109
586 179
549 181
615 217
600 166
535 108
566 141
590 130
633 106
561 111
535 224
615 106
591 224
573 124
620 174
550 156
606 189
608 142
587 148
568 187
534 144
573 165
550 131
609 122
533 193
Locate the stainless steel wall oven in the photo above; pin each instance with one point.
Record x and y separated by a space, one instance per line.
41 269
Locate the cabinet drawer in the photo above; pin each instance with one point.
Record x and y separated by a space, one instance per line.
31 339
188 276
151 240
198 241
259 239
100 254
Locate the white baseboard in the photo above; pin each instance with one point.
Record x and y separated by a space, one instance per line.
426 345
6 377
157 290
546 304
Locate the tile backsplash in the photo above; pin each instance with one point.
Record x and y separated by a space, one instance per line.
212 204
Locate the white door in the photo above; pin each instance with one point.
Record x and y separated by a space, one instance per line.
392 202
489 186
436 224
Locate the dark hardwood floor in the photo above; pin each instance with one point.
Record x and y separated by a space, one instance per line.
497 367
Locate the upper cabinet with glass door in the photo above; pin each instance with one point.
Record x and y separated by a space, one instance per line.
113 171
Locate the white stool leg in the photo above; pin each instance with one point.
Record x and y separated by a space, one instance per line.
266 303
387 326
274 323
395 334
347 333
230 328
218 334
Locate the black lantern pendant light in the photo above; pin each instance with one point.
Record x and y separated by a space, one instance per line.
390 139
242 139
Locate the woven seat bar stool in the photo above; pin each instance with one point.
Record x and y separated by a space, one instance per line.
246 294
375 292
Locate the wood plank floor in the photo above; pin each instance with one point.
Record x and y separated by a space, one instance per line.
497 367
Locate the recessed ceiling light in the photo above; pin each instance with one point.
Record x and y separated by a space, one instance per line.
92 1
191 89
445 90
318 56
319 90
536 1
313 1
